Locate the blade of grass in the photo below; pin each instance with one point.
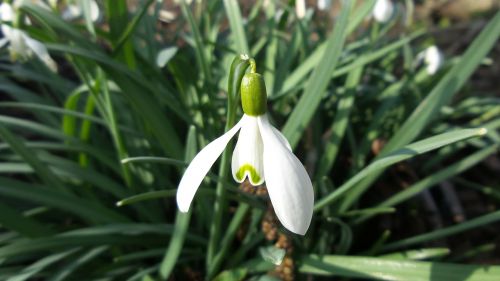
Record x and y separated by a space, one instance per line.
131 27
73 265
13 220
201 56
146 196
118 19
236 23
404 153
444 232
181 219
440 95
154 159
318 81
447 86
395 270
313 60
49 197
39 265
228 238
45 174
113 128
435 178
339 125
420 254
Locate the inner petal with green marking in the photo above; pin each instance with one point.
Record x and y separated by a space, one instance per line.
247 161
249 171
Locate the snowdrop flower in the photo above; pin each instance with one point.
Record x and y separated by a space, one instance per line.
300 8
74 11
22 46
432 58
324 5
383 10
262 154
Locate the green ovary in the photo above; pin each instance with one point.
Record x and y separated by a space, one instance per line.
253 174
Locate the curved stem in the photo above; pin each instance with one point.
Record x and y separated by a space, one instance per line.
238 69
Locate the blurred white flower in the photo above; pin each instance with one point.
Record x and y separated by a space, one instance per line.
324 5
262 154
74 10
300 8
383 10
432 57
22 46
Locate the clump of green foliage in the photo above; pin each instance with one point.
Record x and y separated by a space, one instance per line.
91 155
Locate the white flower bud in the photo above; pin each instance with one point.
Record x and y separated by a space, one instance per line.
383 10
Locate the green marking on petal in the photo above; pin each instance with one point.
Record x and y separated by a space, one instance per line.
252 172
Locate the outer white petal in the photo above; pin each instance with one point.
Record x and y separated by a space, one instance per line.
202 162
41 52
300 8
383 10
324 4
287 181
3 42
433 59
247 161
71 12
6 15
282 138
18 47
6 12
94 11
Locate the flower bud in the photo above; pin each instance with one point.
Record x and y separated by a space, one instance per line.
383 10
253 94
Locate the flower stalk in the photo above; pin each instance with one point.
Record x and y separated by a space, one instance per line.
238 68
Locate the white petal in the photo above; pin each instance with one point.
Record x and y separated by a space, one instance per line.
6 12
18 48
247 159
6 15
94 11
3 42
324 4
383 10
41 52
287 181
282 138
71 12
300 8
433 59
202 162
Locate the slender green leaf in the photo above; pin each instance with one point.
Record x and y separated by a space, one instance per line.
440 96
38 266
395 270
318 81
445 232
49 197
236 23
13 220
435 178
181 219
404 153
420 254
67 270
42 171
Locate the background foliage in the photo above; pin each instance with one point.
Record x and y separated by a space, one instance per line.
91 155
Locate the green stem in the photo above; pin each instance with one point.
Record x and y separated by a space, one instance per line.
113 127
238 69
238 218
